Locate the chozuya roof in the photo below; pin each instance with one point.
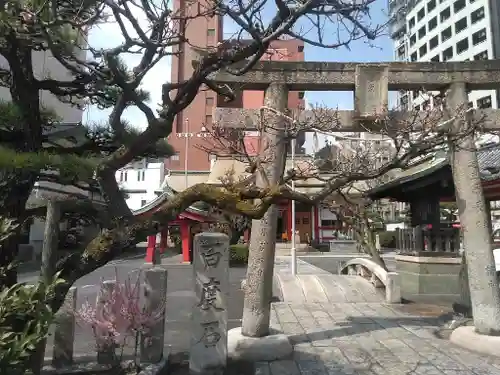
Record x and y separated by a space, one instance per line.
166 192
489 167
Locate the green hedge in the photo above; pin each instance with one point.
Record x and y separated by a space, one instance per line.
387 239
238 255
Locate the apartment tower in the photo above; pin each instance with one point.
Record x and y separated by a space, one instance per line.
446 30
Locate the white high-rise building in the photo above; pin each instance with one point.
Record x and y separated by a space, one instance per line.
446 30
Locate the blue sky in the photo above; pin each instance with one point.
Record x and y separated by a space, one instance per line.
108 35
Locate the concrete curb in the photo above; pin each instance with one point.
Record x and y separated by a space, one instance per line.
468 338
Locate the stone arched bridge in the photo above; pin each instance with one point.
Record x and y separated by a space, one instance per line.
314 285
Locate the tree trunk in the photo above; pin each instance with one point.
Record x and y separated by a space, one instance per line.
259 287
484 292
370 247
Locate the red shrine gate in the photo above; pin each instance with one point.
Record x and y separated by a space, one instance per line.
190 222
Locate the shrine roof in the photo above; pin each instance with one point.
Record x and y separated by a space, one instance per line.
166 193
489 167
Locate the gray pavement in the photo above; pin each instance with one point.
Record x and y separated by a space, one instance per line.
330 338
367 339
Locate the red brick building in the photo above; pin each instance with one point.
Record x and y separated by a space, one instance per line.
203 32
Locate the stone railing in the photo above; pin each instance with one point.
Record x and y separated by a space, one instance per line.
418 239
379 277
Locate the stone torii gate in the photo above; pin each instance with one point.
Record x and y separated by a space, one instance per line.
371 83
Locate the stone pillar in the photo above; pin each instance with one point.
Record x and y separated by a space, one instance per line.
208 350
155 294
64 334
485 296
258 293
105 355
50 241
47 270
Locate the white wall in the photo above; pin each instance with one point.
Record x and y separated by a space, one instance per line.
140 182
46 66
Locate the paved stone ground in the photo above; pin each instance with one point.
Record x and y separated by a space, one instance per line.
367 339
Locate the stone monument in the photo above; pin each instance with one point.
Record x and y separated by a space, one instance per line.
64 333
208 354
155 293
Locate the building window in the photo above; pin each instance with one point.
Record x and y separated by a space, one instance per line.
300 49
460 25
431 5
208 120
403 102
143 202
479 37
209 101
447 54
484 102
470 105
481 56
435 58
477 15
433 42
422 50
413 57
445 14
421 32
123 176
463 45
141 175
175 157
210 32
302 93
433 23
401 54
458 5
411 22
421 14
413 39
446 34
